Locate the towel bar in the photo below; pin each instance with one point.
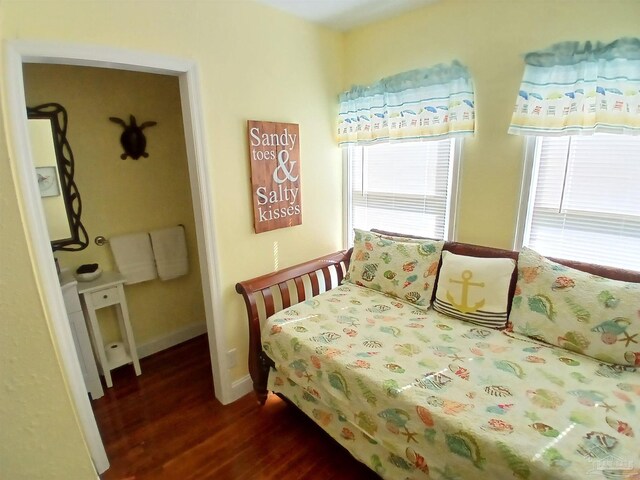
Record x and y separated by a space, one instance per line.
101 240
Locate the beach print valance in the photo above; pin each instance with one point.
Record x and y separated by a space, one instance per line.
432 103
580 88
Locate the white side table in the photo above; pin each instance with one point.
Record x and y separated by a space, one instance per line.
107 290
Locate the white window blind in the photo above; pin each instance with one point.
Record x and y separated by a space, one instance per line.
585 199
402 187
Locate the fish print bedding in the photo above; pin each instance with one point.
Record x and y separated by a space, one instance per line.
415 394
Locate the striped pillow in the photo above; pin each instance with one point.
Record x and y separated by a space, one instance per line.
474 289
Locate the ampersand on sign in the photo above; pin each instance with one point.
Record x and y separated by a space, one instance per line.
283 159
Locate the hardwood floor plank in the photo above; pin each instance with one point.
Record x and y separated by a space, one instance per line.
167 425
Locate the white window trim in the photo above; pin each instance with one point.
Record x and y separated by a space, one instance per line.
346 199
454 189
588 220
527 192
451 227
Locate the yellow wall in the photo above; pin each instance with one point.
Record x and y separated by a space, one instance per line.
35 410
127 196
254 63
490 37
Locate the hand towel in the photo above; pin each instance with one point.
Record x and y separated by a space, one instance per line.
170 251
134 257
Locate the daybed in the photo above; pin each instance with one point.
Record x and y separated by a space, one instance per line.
414 393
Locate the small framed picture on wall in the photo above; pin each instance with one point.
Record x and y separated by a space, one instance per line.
48 181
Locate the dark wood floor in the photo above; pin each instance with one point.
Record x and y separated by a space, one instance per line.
167 424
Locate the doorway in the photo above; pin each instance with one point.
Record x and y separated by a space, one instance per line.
126 196
18 53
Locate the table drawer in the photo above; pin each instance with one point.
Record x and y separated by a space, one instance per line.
106 297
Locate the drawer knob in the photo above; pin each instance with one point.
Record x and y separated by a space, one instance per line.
105 296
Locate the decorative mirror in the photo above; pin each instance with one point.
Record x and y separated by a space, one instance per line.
54 169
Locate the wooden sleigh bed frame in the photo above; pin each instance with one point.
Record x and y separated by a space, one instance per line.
304 282
330 269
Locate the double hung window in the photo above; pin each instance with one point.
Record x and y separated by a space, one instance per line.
582 200
407 187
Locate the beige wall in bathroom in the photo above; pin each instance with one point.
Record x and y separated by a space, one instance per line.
127 196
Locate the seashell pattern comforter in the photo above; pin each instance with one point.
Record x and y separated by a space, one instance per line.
415 394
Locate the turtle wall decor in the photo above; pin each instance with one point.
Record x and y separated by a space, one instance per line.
132 139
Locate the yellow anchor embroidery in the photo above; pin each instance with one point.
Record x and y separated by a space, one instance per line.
466 283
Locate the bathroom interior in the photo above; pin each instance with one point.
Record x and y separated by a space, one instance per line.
121 197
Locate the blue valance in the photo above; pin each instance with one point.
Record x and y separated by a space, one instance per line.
577 88
570 53
431 103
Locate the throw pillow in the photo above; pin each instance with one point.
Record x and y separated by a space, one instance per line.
474 289
403 269
576 310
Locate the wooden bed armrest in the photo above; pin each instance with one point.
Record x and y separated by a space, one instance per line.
303 281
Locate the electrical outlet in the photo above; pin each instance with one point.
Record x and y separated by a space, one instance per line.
232 358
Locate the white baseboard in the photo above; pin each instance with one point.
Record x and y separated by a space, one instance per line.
174 338
241 387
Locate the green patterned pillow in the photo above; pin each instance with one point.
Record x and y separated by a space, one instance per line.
403 269
576 310
474 289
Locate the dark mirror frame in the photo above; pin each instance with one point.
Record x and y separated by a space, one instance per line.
57 115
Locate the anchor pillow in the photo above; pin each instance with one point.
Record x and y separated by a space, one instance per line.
401 267
474 289
585 313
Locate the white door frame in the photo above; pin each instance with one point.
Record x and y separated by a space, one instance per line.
20 51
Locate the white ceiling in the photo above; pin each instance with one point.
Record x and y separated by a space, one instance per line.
344 15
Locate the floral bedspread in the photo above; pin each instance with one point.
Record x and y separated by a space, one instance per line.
415 394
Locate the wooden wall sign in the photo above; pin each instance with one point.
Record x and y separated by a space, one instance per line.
274 153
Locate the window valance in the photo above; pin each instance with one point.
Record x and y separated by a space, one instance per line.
580 88
431 103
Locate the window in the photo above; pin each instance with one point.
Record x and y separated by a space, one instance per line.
402 187
584 199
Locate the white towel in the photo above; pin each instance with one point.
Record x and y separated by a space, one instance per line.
170 251
134 257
